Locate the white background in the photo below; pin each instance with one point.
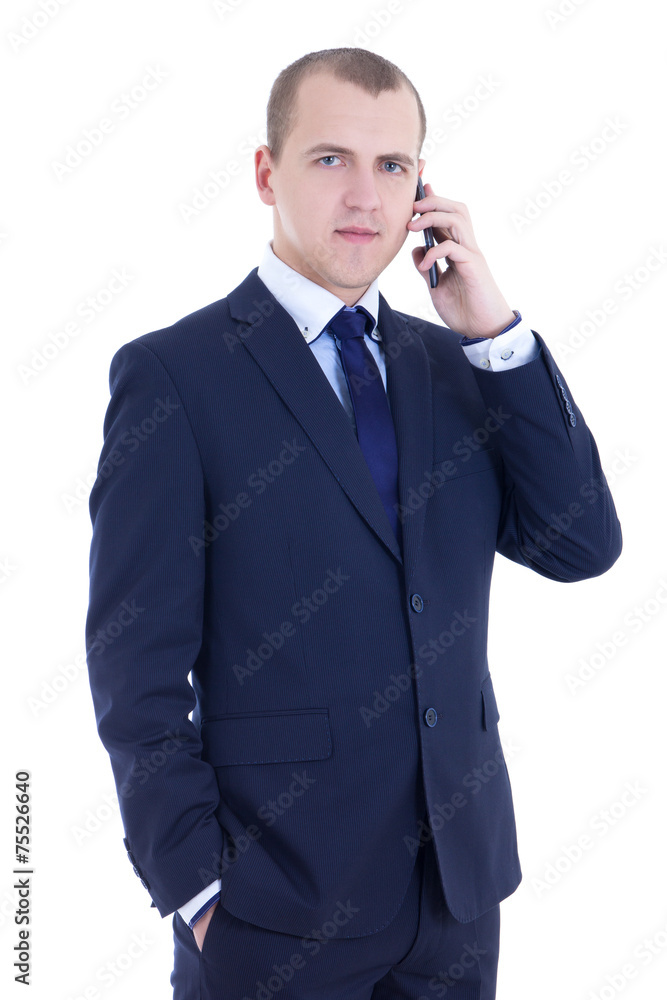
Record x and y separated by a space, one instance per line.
554 85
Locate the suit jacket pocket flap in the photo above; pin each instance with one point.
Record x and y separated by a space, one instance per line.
267 738
490 708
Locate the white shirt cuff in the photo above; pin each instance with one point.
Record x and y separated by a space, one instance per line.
508 350
197 906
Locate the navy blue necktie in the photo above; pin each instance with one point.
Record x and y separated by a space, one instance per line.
375 427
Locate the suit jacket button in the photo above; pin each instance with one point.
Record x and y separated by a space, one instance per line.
417 603
430 717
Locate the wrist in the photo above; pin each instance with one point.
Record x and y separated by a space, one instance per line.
510 317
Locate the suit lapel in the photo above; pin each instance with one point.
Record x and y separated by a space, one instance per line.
279 348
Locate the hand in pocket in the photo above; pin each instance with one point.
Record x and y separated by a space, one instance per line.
200 928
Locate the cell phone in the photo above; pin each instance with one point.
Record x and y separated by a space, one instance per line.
428 238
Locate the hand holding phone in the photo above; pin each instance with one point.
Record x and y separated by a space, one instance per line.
428 238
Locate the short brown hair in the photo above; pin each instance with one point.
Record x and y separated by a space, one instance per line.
365 69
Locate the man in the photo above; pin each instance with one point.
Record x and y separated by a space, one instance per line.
300 504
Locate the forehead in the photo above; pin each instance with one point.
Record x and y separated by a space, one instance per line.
330 109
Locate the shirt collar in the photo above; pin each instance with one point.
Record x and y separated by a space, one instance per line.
311 306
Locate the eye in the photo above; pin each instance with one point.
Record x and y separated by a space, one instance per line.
392 164
331 157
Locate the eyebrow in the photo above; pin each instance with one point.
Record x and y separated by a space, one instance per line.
324 148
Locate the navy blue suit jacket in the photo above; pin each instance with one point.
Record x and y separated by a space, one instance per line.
238 538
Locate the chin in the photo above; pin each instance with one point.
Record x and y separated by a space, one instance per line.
356 272
352 278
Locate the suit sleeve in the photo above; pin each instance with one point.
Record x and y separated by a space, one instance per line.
558 516
144 629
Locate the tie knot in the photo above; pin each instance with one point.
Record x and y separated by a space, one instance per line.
350 322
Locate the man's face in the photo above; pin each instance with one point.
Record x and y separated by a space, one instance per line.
349 163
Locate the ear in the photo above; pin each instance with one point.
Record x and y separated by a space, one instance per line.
421 166
263 172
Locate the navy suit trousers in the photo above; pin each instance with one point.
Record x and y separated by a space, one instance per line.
423 953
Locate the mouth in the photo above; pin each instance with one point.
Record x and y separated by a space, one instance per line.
355 234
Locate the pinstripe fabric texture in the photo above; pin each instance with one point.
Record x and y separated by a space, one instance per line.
284 694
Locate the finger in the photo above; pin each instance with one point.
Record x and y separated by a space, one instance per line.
440 233
447 215
435 202
436 217
443 222
452 206
454 253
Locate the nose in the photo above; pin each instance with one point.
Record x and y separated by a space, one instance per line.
362 191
